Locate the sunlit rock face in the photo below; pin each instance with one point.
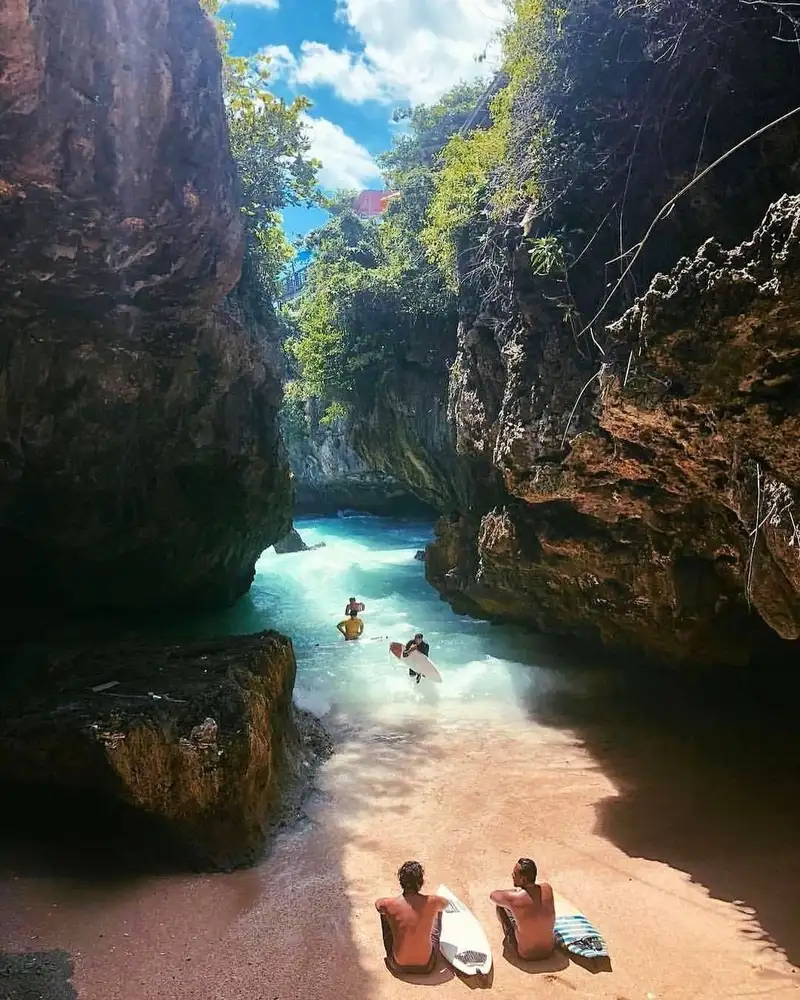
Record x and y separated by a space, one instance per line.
642 528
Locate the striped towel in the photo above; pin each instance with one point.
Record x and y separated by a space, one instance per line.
575 933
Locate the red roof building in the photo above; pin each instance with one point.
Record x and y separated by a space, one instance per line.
370 204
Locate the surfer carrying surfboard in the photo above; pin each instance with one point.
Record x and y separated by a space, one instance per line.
527 913
351 627
354 605
418 643
411 924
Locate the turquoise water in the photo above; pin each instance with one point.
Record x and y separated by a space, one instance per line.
485 667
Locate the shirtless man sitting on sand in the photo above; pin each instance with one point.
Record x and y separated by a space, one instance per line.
411 924
527 913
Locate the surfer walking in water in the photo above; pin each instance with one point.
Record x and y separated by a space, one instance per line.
418 643
527 913
354 605
351 627
411 924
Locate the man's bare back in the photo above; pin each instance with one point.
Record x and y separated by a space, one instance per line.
532 910
413 922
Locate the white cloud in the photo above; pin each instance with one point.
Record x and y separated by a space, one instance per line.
413 50
345 162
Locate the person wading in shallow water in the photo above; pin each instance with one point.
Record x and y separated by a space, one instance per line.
411 924
527 913
418 643
352 627
354 605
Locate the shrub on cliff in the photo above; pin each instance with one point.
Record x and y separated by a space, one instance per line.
609 109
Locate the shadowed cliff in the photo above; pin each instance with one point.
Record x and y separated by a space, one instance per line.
140 463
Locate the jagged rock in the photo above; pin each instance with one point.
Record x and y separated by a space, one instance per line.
201 736
291 542
640 529
140 463
205 734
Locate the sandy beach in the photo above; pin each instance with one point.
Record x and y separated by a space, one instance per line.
689 871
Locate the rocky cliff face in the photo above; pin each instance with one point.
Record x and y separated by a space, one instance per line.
140 463
394 454
202 738
658 508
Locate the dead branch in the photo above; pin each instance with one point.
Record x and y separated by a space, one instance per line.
669 206
754 534
597 374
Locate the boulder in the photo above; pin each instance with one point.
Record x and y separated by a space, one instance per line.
291 542
201 737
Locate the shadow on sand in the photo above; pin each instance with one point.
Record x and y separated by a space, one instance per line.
707 767
36 975
441 974
557 962
378 770
251 934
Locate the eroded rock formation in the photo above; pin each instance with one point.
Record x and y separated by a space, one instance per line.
292 542
202 737
394 454
636 521
140 463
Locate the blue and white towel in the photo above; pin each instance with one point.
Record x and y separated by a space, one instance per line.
578 935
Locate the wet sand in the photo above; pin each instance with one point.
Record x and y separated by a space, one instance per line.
677 836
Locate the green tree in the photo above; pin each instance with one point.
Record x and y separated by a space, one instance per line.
373 302
270 146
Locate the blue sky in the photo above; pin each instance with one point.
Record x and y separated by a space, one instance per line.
357 60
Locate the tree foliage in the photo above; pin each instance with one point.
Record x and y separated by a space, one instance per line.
373 303
604 109
608 109
271 149
492 170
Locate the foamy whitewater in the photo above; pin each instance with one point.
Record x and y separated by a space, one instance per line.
642 804
485 667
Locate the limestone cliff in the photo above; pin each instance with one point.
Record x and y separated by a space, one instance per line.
200 737
643 528
393 454
640 475
140 463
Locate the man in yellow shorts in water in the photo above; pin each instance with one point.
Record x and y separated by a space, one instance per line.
351 627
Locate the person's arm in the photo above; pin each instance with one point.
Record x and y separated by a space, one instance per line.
340 626
501 897
409 646
380 904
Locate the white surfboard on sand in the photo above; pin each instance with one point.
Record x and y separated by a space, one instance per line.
416 661
463 942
